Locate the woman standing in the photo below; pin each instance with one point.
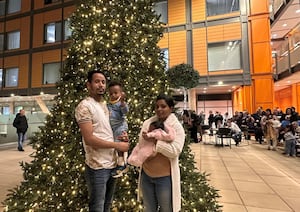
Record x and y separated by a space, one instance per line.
160 174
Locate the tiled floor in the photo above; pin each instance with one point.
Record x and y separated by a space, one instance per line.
10 169
249 177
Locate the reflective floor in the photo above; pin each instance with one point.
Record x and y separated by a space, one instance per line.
249 177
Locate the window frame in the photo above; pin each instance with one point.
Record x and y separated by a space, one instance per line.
212 60
6 75
57 32
220 7
11 5
158 8
67 30
44 80
11 46
2 6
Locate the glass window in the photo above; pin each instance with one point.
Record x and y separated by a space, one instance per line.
165 53
224 56
50 1
161 9
51 73
13 6
1 77
6 110
53 32
1 41
13 40
2 8
11 77
67 30
217 7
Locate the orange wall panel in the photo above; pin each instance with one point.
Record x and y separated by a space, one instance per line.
198 10
164 41
68 11
177 48
232 31
13 25
200 51
23 71
261 58
215 33
38 31
224 32
37 64
52 16
25 33
26 5
11 62
261 32
51 56
176 12
1 27
259 6
264 92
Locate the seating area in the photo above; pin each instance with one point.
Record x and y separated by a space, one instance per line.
221 134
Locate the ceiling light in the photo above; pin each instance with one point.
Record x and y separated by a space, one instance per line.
220 83
284 25
298 11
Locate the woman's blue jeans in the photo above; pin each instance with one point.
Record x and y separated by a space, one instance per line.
101 186
157 193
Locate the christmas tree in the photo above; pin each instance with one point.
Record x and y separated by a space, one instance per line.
119 36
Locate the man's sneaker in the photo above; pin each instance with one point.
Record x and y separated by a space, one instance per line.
119 171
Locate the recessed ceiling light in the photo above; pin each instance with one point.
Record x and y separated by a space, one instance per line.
298 11
288 81
220 83
284 25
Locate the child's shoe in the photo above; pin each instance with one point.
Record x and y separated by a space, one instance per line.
119 171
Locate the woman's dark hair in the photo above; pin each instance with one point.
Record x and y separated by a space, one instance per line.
269 110
91 73
169 100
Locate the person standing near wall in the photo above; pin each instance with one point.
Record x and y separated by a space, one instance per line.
21 124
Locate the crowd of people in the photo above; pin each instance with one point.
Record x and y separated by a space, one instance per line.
273 127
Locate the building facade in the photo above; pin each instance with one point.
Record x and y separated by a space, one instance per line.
227 42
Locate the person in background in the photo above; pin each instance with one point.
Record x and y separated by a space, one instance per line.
92 116
290 141
21 124
160 174
211 119
236 132
270 129
118 109
218 119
